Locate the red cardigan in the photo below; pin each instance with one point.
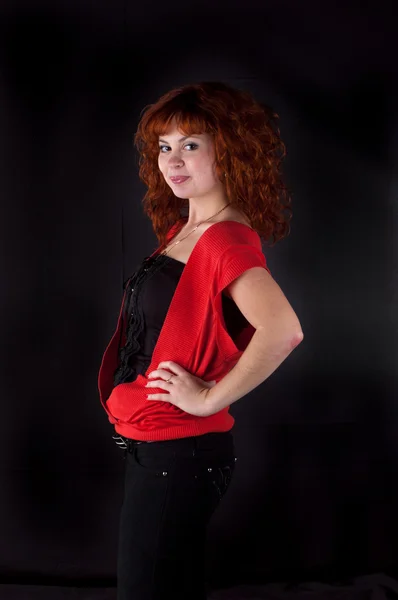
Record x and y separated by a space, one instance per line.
193 335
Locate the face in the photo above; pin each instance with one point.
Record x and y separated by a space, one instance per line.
192 157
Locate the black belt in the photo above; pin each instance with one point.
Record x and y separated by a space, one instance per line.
127 443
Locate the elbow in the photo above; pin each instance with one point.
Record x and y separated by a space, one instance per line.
289 344
283 344
295 340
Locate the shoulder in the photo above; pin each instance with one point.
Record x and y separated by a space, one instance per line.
236 249
229 245
230 233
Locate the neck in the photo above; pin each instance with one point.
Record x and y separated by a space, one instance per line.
194 217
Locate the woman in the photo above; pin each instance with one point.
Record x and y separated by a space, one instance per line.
202 323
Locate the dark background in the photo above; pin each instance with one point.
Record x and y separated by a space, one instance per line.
316 492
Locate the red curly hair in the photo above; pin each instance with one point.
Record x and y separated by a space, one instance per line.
248 148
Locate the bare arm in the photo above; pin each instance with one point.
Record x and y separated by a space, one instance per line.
260 359
278 332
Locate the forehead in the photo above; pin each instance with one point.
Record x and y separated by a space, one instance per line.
178 136
174 131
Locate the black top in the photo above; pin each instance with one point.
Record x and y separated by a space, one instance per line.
149 293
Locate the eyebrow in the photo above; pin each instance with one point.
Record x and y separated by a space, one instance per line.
181 139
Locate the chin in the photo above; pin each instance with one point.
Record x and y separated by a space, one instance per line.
183 197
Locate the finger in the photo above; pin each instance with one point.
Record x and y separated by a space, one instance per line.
161 397
159 374
172 366
165 363
158 383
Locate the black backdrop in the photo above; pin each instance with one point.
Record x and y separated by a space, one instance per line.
316 492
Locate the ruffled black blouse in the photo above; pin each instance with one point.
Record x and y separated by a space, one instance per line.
149 293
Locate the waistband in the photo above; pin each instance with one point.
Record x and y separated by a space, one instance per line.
194 442
124 442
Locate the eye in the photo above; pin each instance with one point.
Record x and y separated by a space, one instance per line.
186 145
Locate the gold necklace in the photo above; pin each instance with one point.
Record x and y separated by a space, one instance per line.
217 213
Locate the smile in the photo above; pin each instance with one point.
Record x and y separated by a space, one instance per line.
178 179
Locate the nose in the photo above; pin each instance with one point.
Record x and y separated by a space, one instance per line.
175 160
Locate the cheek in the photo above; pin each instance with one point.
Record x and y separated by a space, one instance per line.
163 167
203 166
209 173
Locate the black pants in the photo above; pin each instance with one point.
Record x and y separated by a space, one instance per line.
172 488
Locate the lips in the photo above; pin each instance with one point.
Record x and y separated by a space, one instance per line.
178 179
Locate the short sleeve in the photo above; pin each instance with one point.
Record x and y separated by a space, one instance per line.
237 259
